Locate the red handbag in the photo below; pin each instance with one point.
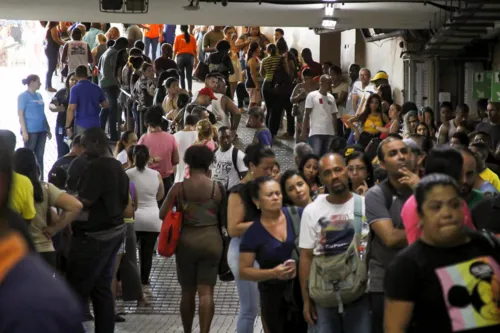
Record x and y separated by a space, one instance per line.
170 230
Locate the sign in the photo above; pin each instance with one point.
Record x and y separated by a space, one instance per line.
481 86
495 87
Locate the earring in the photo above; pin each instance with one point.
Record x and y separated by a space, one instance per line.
258 207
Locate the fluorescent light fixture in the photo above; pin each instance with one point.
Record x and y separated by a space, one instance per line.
329 23
329 9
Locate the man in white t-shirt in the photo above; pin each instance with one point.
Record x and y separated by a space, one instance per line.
361 90
229 167
327 228
320 120
185 139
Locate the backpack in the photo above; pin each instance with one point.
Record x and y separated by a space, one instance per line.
340 279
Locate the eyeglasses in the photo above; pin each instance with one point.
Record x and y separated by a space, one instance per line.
358 168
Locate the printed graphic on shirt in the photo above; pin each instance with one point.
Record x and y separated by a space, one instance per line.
221 172
77 49
336 234
471 292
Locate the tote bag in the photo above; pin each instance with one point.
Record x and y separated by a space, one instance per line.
170 230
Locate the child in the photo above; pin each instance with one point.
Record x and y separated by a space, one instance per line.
262 134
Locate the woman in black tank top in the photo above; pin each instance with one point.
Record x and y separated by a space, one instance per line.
52 44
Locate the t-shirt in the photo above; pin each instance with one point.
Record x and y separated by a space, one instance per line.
270 65
33 108
184 140
357 89
122 156
61 99
343 87
63 163
314 67
90 37
88 98
493 131
182 46
211 38
321 118
453 289
269 251
475 198
490 177
105 185
264 137
162 145
22 196
411 219
327 228
487 189
50 196
107 69
162 64
224 170
155 30
377 208
485 214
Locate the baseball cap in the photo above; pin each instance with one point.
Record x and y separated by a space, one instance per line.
207 92
380 76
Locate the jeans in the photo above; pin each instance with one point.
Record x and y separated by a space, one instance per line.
185 61
320 143
355 319
52 54
62 147
247 290
377 307
111 113
153 42
90 272
146 241
36 142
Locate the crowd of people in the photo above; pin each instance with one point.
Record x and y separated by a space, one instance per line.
384 224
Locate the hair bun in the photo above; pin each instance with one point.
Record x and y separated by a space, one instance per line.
25 82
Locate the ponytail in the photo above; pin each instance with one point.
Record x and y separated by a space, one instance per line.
120 145
185 30
141 156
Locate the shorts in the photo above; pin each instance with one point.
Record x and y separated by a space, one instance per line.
197 257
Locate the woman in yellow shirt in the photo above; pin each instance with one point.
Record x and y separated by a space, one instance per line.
365 125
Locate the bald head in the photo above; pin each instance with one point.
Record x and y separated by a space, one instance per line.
166 50
325 84
333 174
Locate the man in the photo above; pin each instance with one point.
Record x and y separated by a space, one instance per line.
169 33
278 34
353 76
467 181
26 281
165 62
153 34
482 115
103 188
85 102
76 52
199 106
492 128
224 108
229 167
90 36
211 39
185 139
362 90
301 150
307 58
327 228
483 186
384 203
65 161
109 84
448 128
485 173
199 42
320 120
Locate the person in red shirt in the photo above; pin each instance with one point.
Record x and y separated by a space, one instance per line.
316 68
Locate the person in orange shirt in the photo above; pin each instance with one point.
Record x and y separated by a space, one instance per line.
153 34
185 49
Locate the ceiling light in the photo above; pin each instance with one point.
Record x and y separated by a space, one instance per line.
329 9
329 23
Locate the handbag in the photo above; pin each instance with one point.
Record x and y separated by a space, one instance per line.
201 71
170 232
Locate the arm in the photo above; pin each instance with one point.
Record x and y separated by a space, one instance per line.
55 36
305 125
443 134
105 104
64 56
241 43
253 72
56 108
129 209
249 273
353 126
175 155
161 189
232 109
401 313
94 56
235 216
71 208
22 122
90 58
169 200
70 115
298 94
334 120
262 69
390 236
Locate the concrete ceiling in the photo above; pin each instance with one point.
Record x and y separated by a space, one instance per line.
383 15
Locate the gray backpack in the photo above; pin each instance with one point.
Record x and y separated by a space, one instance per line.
340 279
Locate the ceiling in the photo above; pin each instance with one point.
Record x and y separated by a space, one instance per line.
358 14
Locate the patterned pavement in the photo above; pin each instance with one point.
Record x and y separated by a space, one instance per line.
163 314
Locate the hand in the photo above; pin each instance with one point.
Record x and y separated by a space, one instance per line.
374 126
69 132
49 231
309 313
362 189
409 178
26 136
282 272
49 135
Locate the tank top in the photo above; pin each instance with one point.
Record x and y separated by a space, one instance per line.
50 41
146 185
250 82
100 51
377 120
200 213
388 126
217 110
78 55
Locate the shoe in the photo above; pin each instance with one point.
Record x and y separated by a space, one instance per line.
285 136
146 290
143 302
50 89
119 319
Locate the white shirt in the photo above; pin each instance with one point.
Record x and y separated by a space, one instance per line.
224 170
147 215
323 221
363 94
216 109
122 156
78 55
184 140
321 119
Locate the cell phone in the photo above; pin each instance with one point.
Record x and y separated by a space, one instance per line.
289 262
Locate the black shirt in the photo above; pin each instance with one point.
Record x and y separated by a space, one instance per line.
162 64
453 289
251 212
219 62
104 189
61 98
485 214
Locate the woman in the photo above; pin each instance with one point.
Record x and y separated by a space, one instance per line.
295 189
276 172
253 81
34 126
385 93
309 169
220 62
205 134
230 36
448 275
394 125
429 121
128 139
145 87
99 49
241 215
185 49
162 147
199 250
45 224
360 172
170 101
340 90
59 104
423 129
369 121
270 241
161 92
52 44
298 100
149 190
410 124
113 33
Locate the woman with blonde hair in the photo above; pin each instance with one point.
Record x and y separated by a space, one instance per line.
113 33
99 49
205 134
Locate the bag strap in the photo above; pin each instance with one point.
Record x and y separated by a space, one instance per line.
293 213
234 157
358 213
213 189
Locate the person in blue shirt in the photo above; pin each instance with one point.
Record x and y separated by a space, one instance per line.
85 102
262 135
34 126
169 33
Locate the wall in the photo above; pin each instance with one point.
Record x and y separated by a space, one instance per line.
298 38
330 47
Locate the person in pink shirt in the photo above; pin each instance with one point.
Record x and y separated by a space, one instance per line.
440 160
205 131
162 147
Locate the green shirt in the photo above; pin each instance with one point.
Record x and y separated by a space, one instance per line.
475 198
